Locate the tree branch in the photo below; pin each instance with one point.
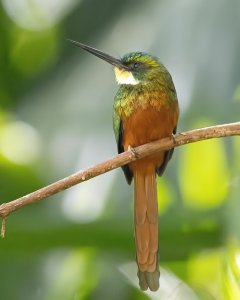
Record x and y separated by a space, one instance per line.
118 161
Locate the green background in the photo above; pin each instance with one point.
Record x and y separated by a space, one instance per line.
56 118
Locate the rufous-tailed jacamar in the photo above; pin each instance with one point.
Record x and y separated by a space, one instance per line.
145 109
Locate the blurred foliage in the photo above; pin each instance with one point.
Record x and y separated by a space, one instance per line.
55 118
211 176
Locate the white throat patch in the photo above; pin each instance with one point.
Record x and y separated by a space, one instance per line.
125 77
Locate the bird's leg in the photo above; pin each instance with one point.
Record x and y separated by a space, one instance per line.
133 151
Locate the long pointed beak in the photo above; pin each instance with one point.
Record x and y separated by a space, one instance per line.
108 58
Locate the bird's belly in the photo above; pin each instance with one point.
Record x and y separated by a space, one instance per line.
146 125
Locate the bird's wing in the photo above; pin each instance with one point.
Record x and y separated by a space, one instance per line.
167 156
118 131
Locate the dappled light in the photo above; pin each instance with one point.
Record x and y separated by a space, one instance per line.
72 272
38 15
19 142
87 203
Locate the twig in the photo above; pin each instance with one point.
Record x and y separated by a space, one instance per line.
3 228
118 161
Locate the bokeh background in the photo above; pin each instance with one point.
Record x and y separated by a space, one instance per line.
55 118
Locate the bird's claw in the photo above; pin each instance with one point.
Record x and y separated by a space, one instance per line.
133 151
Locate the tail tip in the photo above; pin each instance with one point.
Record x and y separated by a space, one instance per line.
149 280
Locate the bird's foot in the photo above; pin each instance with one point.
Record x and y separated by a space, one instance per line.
173 137
133 151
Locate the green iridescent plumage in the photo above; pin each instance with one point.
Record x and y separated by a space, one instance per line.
155 86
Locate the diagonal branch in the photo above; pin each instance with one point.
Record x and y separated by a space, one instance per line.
187 137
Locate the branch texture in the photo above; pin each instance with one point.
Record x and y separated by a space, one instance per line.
218 131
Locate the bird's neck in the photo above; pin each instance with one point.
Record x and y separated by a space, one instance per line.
130 98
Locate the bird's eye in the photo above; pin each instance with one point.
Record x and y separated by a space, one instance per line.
136 65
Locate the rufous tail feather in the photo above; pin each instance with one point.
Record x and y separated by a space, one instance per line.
146 227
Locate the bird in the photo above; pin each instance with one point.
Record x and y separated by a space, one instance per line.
145 109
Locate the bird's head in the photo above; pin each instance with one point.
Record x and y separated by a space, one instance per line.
141 68
134 68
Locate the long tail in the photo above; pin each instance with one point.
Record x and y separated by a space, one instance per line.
146 227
